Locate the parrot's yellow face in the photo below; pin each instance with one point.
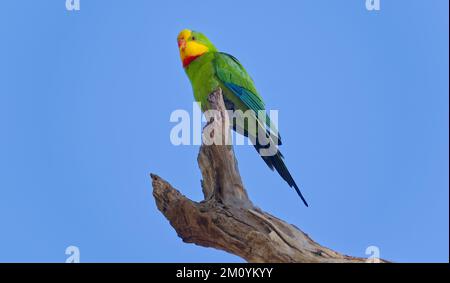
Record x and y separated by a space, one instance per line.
191 45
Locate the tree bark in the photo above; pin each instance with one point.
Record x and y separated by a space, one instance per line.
226 219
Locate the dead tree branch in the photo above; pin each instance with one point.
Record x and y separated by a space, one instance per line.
227 219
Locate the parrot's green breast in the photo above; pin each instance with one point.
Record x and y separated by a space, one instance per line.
201 73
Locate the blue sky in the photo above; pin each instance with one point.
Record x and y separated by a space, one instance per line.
85 101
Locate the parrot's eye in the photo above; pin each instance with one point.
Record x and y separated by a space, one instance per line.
193 38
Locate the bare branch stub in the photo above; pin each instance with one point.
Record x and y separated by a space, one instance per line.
221 178
226 219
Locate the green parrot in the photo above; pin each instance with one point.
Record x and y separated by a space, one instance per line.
208 69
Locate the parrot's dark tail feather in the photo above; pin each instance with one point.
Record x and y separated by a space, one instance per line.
276 162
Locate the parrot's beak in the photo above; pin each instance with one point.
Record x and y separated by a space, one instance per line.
183 37
181 43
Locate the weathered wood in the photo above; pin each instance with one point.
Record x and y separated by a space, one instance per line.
227 219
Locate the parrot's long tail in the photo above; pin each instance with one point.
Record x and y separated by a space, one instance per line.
276 162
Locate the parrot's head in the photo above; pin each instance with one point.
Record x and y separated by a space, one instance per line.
193 44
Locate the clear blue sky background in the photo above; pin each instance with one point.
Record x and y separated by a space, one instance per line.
85 100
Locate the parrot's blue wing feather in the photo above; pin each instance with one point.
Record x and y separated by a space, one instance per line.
246 96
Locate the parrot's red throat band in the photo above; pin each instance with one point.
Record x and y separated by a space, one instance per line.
189 59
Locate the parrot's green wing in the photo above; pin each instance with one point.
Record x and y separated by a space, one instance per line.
232 75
